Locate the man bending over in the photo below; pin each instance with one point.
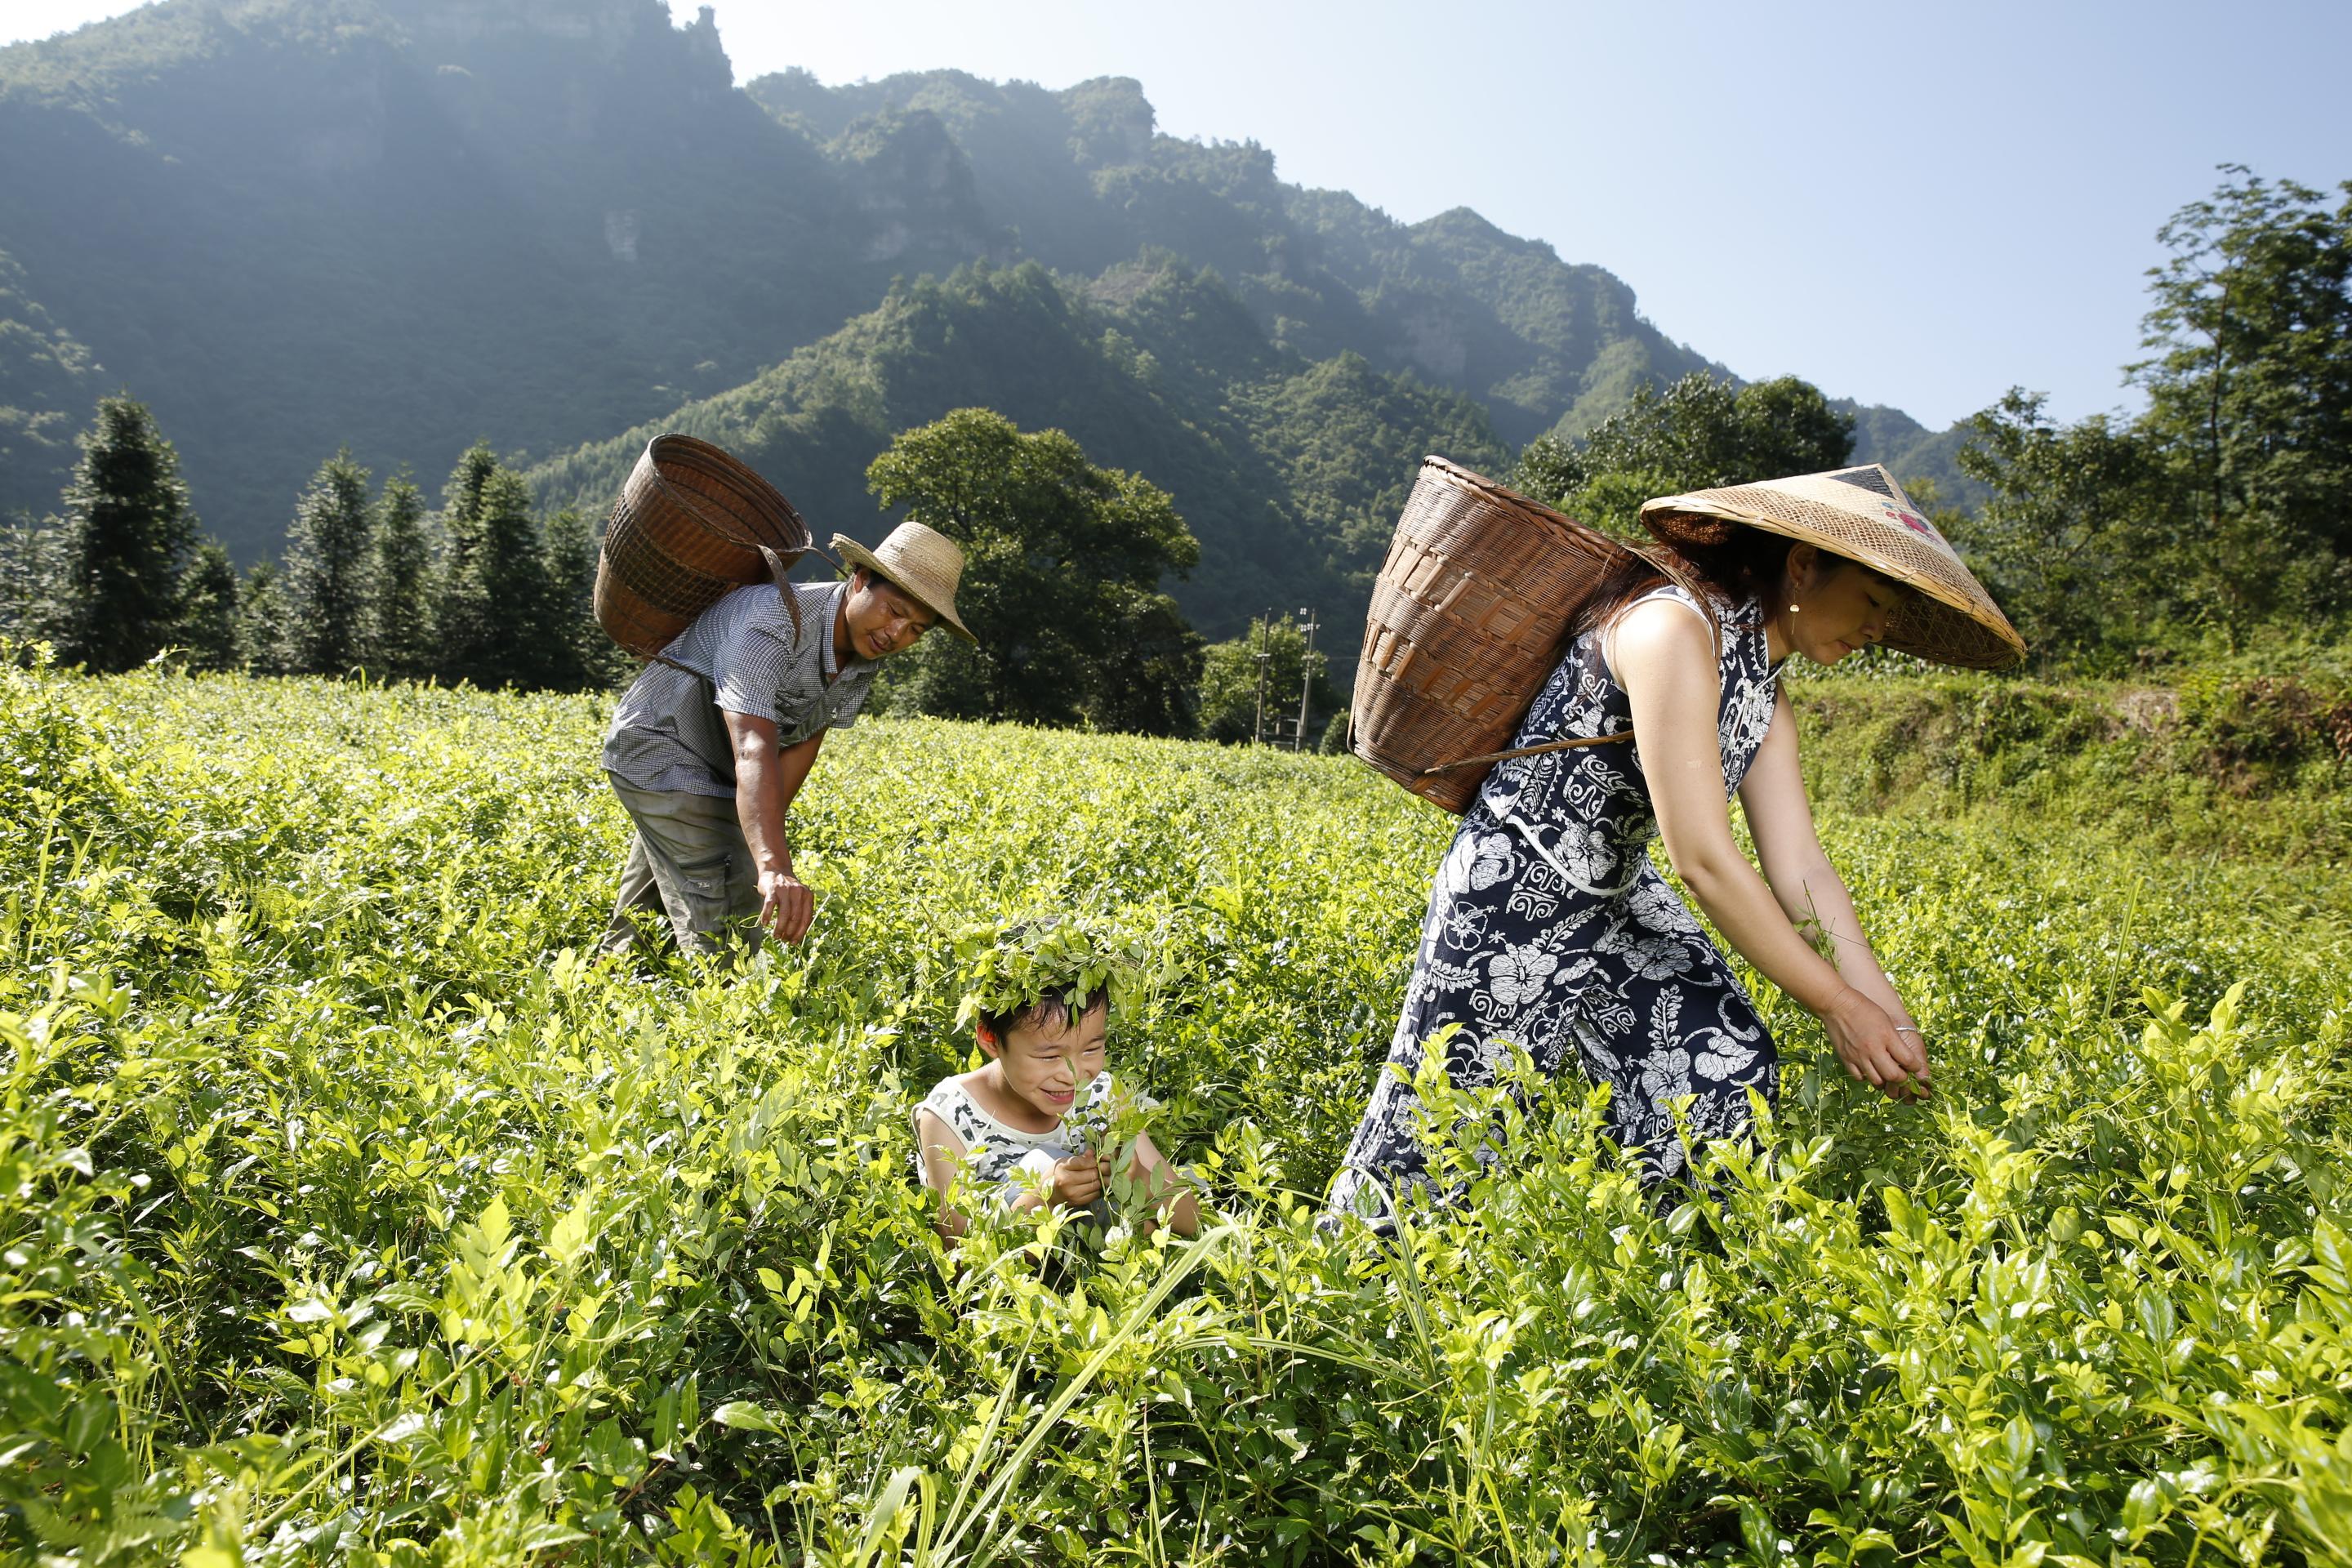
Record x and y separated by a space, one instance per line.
716 737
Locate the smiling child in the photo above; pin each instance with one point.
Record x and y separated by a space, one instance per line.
1028 1128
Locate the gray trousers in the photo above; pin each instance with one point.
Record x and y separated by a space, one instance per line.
689 862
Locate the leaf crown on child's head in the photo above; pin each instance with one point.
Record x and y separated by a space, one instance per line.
1008 966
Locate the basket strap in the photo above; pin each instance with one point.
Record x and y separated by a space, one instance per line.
778 570
1526 751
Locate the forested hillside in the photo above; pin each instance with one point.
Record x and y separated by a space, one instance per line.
1290 474
291 223
1085 183
287 226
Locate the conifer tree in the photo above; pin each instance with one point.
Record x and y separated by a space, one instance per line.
126 540
491 618
401 636
592 659
461 498
329 571
209 609
260 620
461 631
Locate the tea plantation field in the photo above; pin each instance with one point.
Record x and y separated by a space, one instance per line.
347 1215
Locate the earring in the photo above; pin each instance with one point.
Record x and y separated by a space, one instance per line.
1794 608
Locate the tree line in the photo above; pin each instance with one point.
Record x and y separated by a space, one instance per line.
2215 516
2216 513
1063 564
2221 510
479 589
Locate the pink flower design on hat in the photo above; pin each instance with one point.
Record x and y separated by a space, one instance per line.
1911 519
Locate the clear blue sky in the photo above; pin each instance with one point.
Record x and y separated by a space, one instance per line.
1919 204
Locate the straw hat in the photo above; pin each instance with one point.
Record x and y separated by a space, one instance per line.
923 560
1861 514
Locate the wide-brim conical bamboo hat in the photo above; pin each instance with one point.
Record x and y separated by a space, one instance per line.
919 559
1861 514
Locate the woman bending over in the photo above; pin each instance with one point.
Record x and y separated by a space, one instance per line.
1549 928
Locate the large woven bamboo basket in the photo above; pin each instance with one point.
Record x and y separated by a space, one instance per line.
1470 614
688 530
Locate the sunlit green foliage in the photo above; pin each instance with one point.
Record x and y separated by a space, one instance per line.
1701 432
2250 390
348 1216
1062 566
2220 508
1251 687
2081 521
2248 757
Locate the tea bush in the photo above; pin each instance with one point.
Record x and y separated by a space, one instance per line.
347 1214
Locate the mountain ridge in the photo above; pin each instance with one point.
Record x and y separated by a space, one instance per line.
400 224
1290 471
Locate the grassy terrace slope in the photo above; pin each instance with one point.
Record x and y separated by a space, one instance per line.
2248 756
345 1215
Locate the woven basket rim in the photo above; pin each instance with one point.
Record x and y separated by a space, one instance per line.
1504 496
745 478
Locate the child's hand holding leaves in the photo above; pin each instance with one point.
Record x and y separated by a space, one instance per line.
1076 1181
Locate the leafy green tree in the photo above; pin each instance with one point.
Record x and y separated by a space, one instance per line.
127 536
1267 662
492 614
2081 538
1145 679
1062 566
1698 433
1335 734
209 609
400 640
2250 389
261 619
330 575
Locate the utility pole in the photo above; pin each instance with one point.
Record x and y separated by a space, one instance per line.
1264 659
1308 622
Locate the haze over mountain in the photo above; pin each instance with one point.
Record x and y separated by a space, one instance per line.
294 224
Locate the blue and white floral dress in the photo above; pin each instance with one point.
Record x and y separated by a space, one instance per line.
1549 931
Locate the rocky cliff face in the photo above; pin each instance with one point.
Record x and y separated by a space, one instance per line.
294 224
290 225
606 28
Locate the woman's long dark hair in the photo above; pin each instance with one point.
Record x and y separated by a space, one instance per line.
1740 563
